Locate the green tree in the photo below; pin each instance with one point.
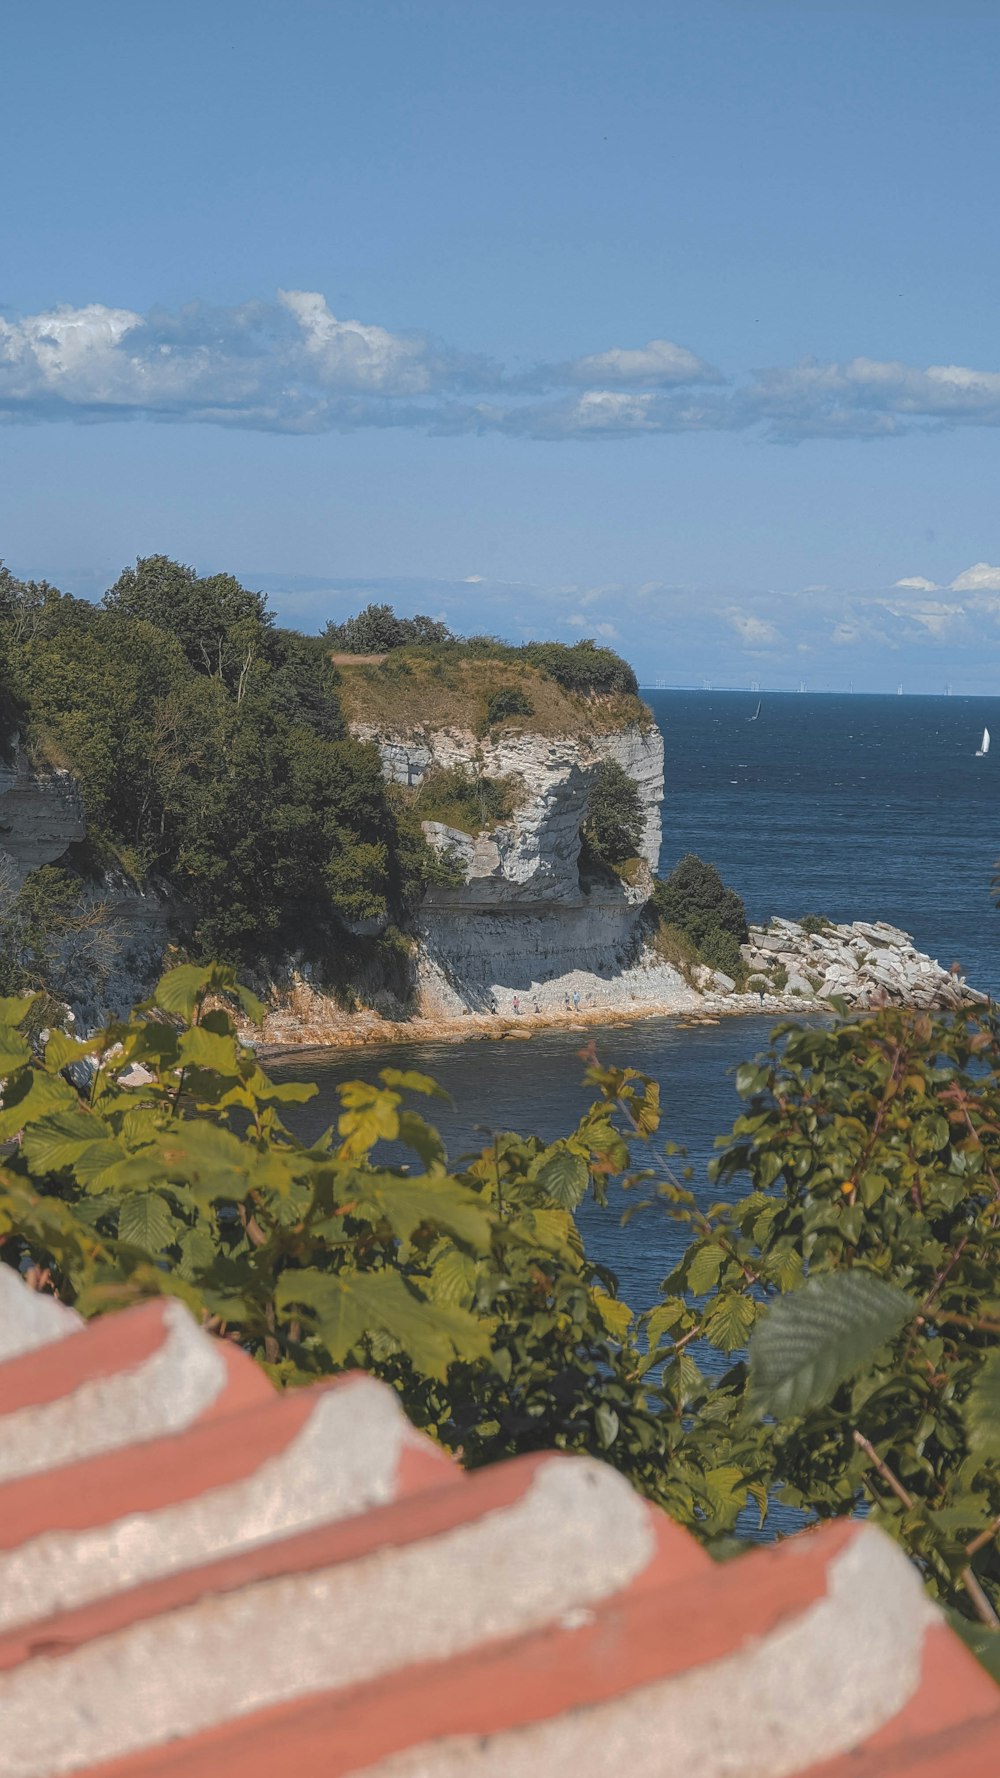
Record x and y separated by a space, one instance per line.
377 630
221 627
614 821
695 898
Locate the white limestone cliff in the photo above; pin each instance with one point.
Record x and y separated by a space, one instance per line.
522 920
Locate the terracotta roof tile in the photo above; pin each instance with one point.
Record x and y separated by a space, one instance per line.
200 1578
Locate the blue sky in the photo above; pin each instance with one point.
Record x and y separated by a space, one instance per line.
674 324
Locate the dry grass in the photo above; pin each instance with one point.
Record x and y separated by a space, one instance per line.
409 696
672 945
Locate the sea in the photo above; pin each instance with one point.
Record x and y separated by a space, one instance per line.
856 807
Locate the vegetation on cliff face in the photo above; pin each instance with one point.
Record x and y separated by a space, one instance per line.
693 907
613 828
465 798
212 751
856 1258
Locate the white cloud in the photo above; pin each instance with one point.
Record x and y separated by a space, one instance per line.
292 365
657 363
917 584
982 577
356 355
932 615
755 632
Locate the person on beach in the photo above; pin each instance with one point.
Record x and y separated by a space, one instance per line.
517 1006
566 1000
576 999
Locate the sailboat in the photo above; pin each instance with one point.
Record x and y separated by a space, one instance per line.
756 713
984 746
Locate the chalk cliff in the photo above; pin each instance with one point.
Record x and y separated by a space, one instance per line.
525 918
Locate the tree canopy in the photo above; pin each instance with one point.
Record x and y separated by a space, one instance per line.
213 760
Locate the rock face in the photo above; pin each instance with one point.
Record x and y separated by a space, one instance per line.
521 920
864 964
41 813
110 964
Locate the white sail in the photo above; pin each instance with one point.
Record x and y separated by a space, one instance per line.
984 745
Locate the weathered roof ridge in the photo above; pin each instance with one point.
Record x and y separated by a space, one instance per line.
202 1577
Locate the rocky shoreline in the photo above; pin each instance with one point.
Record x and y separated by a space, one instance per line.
867 964
792 969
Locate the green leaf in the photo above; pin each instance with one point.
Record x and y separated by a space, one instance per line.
254 1009
370 1115
660 1321
14 1008
61 1050
813 1339
146 1221
616 1316
180 989
200 1048
61 1140
725 1489
703 1271
607 1423
424 1141
407 1080
729 1323
563 1178
982 1407
15 1052
406 1203
32 1097
348 1306
750 1078
453 1278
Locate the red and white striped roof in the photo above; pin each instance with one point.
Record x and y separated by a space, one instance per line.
200 1578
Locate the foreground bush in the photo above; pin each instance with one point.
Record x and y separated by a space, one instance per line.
858 1265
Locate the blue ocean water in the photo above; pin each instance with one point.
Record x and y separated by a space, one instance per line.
854 807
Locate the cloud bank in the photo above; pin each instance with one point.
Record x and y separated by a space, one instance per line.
826 637
291 365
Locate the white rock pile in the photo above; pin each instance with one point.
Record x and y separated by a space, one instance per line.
866 964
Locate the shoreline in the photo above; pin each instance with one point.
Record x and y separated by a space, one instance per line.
370 1031
795 971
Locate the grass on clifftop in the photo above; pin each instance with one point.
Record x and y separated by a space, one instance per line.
408 692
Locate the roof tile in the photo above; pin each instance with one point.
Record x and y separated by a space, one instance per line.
200 1578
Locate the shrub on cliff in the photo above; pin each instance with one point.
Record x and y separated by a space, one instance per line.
614 822
695 898
583 667
377 630
467 800
506 702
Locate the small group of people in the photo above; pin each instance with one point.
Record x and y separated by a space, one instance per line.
570 1002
